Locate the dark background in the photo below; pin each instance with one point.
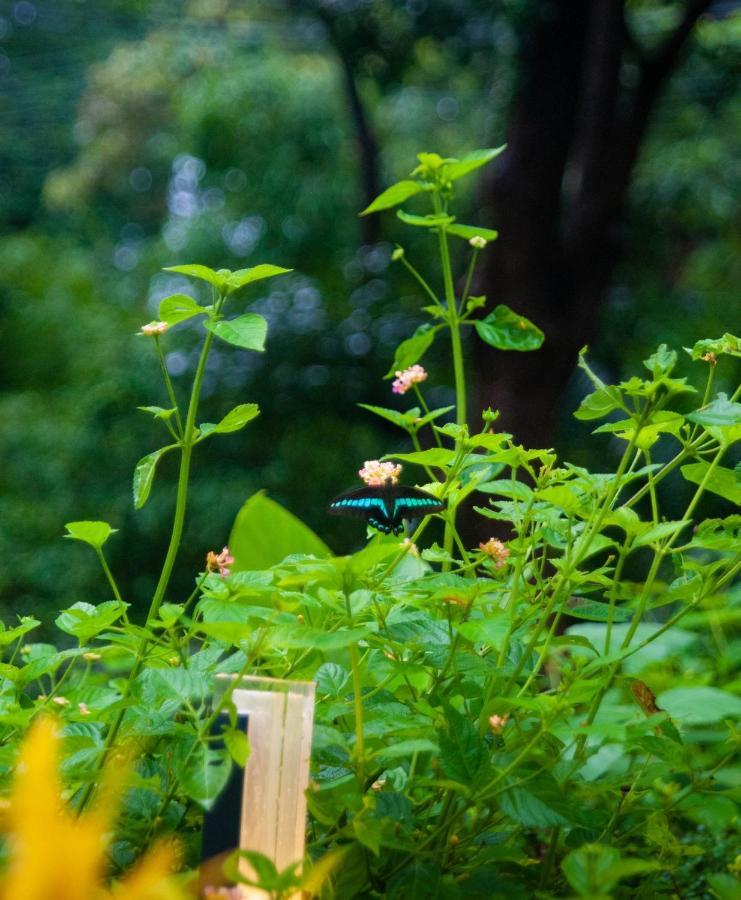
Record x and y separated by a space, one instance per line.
135 135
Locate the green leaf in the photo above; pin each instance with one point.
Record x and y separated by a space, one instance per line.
178 308
264 533
402 749
506 330
403 420
232 421
456 169
599 403
84 621
594 610
724 886
728 345
394 195
158 412
721 481
490 631
699 705
411 350
659 532
594 869
331 679
242 277
8 635
661 362
203 273
238 746
661 422
247 331
537 806
144 475
468 231
462 750
435 456
722 412
203 775
93 533
432 220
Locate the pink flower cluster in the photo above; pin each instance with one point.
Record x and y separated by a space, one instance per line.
405 379
496 550
219 562
154 328
376 473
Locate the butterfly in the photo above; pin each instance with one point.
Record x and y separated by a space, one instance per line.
385 507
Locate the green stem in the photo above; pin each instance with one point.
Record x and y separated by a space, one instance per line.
358 707
109 576
169 386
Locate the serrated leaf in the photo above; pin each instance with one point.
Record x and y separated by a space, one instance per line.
8 635
599 403
594 610
177 308
435 456
457 168
84 621
721 412
468 231
93 533
411 350
158 412
247 331
506 330
202 273
394 195
462 750
144 475
700 705
242 277
204 774
729 345
659 532
234 420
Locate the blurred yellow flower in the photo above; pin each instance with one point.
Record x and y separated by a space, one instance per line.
58 856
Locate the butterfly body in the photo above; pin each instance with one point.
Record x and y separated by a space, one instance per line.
385 507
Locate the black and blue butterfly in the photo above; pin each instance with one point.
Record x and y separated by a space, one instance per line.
385 507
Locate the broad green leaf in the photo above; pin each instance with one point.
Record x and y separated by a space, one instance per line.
7 636
659 532
304 636
144 475
178 308
233 420
247 331
203 774
433 414
535 806
394 195
721 481
238 746
661 362
242 277
599 403
411 350
594 610
432 220
490 631
700 705
403 420
331 679
203 273
729 345
506 330
264 533
725 886
594 869
662 422
723 414
84 621
468 231
435 456
462 750
93 533
457 168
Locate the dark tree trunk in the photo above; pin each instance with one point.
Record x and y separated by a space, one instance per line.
558 195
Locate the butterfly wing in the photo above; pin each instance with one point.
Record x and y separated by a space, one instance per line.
367 503
411 503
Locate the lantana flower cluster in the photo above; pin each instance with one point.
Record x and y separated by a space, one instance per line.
219 562
376 473
496 551
407 378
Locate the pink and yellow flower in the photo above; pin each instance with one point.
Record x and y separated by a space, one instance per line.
408 378
376 473
219 562
496 551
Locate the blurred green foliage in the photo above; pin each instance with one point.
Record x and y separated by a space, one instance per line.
144 134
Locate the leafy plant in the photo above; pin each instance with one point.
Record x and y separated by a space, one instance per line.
548 714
